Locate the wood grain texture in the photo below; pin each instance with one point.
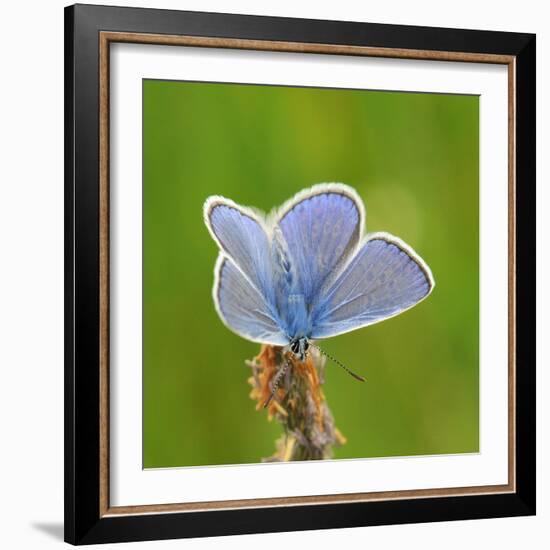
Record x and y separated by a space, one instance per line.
302 47
512 274
104 244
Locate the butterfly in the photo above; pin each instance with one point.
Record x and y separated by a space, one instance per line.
307 271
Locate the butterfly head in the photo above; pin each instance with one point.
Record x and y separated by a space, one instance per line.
299 347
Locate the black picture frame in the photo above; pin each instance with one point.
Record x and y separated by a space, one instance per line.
84 524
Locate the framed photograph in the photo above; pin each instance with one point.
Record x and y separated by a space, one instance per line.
300 274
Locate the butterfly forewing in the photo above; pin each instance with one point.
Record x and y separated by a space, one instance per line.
383 279
322 227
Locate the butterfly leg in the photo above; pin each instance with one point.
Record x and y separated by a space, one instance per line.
277 381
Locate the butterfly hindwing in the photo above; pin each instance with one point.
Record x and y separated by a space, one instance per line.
384 278
242 307
322 227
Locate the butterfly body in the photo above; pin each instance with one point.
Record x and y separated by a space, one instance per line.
290 300
307 271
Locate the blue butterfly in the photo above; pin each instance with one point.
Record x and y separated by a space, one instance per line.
307 270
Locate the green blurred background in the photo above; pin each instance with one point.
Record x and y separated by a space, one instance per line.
413 158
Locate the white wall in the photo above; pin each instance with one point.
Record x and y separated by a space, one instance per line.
31 272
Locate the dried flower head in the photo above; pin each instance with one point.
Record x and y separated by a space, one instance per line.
298 404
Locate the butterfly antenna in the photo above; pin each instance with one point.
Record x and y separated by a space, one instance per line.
277 381
333 359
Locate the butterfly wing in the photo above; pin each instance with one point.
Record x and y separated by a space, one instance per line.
384 278
241 236
242 307
322 227
243 291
